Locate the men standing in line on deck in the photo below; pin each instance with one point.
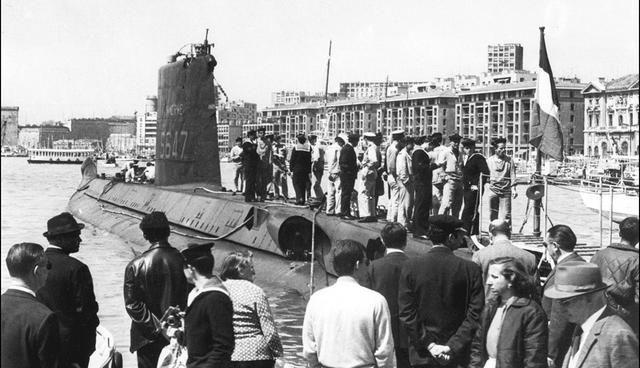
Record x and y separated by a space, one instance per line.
391 155
236 159
502 181
601 339
208 318
440 298
422 174
300 165
383 276
345 324
153 282
560 244
348 170
68 291
30 330
452 191
280 185
317 166
618 265
438 178
332 157
474 169
368 175
403 177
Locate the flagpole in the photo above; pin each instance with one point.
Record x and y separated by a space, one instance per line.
537 204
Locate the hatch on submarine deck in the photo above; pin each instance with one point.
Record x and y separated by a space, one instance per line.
188 189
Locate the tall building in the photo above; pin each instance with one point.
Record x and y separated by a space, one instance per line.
507 110
370 89
10 125
232 118
504 57
611 117
147 127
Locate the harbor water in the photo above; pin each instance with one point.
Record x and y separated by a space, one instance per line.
31 194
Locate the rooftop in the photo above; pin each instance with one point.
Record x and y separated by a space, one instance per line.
626 82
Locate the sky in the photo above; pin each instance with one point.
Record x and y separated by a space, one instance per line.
68 59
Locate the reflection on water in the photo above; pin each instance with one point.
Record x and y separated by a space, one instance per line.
31 194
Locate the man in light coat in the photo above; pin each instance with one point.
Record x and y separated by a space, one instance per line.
368 175
405 183
332 157
601 339
392 152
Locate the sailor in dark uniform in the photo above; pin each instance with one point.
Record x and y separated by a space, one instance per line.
250 163
348 169
422 174
209 316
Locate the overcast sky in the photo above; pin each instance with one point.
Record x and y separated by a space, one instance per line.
63 59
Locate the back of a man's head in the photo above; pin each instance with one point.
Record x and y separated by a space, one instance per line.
346 254
564 236
394 235
22 258
500 227
155 227
629 230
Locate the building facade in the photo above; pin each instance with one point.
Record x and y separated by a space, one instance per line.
147 127
101 129
611 117
10 125
42 136
232 118
508 110
504 57
360 90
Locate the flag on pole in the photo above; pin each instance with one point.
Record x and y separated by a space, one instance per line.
549 138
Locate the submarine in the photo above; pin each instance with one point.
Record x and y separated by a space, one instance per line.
291 244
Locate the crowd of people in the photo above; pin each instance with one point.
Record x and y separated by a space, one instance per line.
423 176
386 309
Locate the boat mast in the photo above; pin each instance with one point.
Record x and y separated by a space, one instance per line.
326 96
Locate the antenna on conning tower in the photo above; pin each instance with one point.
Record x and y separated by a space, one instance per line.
205 47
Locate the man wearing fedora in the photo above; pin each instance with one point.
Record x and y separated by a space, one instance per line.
601 339
68 291
153 282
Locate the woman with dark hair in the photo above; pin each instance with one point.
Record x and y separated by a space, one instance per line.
257 340
513 329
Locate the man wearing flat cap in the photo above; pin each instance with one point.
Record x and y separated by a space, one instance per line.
68 291
601 338
153 282
209 314
452 192
440 298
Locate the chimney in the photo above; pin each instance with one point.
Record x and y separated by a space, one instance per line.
601 79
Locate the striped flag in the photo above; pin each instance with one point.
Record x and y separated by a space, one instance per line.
549 138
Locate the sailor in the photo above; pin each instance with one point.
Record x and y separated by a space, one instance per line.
452 190
367 176
250 163
502 182
263 176
438 172
422 174
153 282
332 157
68 291
474 169
348 162
403 176
382 167
317 166
280 187
149 174
235 158
301 168
30 330
391 154
209 315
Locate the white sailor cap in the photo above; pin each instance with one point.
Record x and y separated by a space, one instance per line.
344 137
369 135
397 132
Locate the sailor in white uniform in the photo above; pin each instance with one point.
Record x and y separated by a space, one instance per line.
368 175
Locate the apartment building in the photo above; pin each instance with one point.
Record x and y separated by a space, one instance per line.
611 117
359 90
147 126
504 57
232 120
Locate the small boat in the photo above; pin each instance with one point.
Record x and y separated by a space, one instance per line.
105 355
58 156
615 201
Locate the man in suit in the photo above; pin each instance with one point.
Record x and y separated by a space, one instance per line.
383 275
440 299
601 339
422 171
30 332
474 169
68 291
560 244
348 170
153 282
